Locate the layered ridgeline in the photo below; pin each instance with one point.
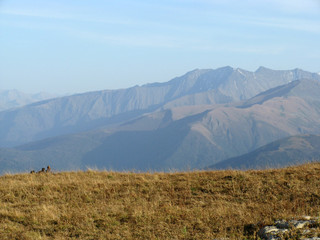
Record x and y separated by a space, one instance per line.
177 133
90 110
287 151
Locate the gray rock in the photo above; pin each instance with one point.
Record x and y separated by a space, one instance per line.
299 224
282 224
271 232
307 227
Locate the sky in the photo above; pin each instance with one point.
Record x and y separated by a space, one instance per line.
73 46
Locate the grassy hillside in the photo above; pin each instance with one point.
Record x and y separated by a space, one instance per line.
191 205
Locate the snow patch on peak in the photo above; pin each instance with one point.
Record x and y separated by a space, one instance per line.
239 71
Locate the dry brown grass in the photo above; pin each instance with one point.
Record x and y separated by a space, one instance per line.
193 205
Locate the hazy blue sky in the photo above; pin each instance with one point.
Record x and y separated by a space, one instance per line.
73 46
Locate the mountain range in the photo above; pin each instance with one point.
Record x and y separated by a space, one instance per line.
190 122
14 98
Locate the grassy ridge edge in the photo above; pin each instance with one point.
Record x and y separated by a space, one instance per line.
188 205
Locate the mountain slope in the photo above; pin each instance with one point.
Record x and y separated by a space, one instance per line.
88 111
187 137
284 152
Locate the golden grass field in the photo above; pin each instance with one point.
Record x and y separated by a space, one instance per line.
190 205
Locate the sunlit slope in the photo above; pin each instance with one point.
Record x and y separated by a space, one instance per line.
288 151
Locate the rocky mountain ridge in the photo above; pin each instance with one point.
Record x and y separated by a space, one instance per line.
181 138
88 111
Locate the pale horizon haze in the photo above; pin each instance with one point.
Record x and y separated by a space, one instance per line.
79 46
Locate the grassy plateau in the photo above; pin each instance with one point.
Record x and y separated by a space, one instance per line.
188 205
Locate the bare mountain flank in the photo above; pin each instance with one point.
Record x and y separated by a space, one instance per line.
288 151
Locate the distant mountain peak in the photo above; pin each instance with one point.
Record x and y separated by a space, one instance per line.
14 98
262 68
226 68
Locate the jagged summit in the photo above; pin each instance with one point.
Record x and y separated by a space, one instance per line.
261 69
